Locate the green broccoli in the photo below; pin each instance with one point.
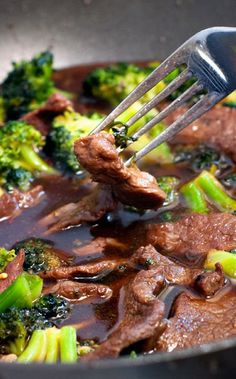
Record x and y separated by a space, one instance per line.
115 82
206 186
202 157
230 100
20 144
67 128
173 75
40 255
2 111
169 185
22 292
51 345
28 85
70 126
16 325
52 307
5 258
17 178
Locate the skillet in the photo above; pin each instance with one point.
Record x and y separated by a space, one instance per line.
88 31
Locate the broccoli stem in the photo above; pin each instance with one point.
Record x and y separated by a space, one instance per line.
36 285
1 191
36 349
17 347
22 292
226 259
194 197
215 191
68 348
34 161
52 335
68 95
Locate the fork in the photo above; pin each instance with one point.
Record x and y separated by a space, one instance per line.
210 58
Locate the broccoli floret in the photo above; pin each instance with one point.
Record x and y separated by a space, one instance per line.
120 133
19 155
6 257
28 85
53 307
16 325
202 157
67 128
40 255
115 82
18 177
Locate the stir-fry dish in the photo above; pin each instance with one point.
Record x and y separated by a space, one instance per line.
97 259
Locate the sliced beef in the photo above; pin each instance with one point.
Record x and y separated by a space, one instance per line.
90 208
95 268
142 311
42 117
171 271
101 244
98 155
190 238
141 314
208 283
13 203
79 291
13 270
217 127
197 321
140 190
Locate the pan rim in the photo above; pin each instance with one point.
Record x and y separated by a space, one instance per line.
126 361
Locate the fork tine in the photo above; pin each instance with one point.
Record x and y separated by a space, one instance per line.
156 76
176 83
202 106
183 98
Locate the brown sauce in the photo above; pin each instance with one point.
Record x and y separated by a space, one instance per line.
94 319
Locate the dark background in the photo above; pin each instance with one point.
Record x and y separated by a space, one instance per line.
80 31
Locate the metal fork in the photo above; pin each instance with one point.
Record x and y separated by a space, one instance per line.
210 57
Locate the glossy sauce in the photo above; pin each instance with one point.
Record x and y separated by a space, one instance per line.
94 319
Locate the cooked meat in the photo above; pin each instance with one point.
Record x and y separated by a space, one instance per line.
142 309
208 283
95 268
99 245
79 291
98 155
90 208
141 315
190 238
172 272
197 321
12 204
217 127
13 270
140 190
42 117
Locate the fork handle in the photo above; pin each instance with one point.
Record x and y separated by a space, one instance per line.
221 44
